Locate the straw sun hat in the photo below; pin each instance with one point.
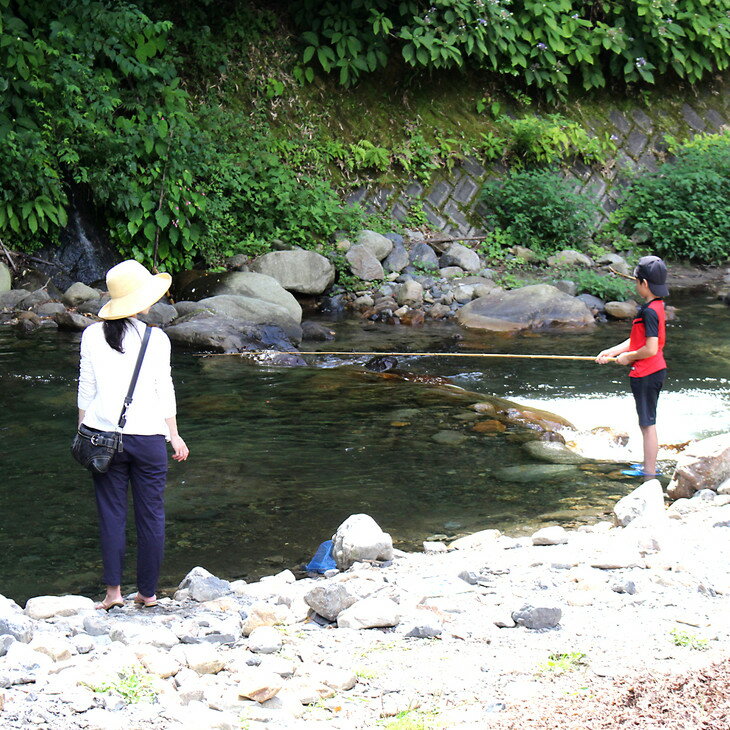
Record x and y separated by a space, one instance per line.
132 289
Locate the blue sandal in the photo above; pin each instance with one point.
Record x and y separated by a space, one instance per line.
637 470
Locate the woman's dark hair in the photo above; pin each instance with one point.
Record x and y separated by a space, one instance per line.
114 332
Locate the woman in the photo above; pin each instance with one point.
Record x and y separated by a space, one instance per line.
109 353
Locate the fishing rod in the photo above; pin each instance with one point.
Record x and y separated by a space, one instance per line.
404 354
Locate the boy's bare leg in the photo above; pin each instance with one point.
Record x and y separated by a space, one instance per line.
651 448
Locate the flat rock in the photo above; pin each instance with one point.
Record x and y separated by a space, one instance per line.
259 685
553 535
370 613
264 640
43 607
329 600
537 617
530 307
570 257
72 321
304 272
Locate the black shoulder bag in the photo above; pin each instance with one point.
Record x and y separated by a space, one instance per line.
95 449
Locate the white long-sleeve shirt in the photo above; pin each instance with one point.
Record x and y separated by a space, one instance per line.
105 375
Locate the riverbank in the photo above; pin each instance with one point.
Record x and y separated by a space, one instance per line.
484 631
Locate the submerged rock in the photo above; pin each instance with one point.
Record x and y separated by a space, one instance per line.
535 472
553 452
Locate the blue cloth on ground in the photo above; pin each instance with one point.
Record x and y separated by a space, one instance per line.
322 560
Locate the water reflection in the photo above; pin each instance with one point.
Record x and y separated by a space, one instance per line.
281 457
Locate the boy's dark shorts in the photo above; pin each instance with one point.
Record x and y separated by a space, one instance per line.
646 393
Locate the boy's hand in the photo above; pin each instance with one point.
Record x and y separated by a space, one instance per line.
624 359
603 357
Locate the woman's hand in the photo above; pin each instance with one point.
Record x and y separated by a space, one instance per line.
604 356
179 448
625 358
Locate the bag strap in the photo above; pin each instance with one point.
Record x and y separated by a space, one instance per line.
135 376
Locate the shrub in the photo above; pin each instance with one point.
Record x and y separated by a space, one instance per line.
683 209
540 210
608 288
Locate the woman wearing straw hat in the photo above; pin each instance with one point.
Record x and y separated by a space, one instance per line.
109 352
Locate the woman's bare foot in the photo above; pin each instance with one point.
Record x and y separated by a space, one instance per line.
145 601
112 599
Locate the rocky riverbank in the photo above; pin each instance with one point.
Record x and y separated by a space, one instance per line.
259 304
468 634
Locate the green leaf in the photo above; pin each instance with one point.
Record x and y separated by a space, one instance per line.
149 231
162 219
308 54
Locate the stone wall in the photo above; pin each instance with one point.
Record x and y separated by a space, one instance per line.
451 202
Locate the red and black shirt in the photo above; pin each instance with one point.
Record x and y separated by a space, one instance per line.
649 322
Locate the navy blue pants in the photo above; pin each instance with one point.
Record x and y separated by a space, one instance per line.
143 464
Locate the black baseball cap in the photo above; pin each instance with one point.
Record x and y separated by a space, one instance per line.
654 271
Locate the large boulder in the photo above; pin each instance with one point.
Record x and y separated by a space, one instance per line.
621 310
246 284
397 259
44 607
704 465
531 307
78 293
255 311
6 281
461 256
424 255
554 452
370 613
364 264
305 272
204 330
203 585
378 245
359 537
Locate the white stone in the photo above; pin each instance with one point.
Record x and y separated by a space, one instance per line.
52 645
263 614
44 607
553 535
376 243
264 640
159 663
201 658
410 293
258 685
133 633
644 505
370 613
481 539
433 546
360 538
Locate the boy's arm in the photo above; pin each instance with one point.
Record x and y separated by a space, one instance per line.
616 350
648 349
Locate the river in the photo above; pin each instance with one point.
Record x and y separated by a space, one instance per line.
279 457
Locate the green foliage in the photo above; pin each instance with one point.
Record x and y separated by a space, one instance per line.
412 720
91 98
562 662
688 639
133 686
545 44
683 209
497 244
416 215
540 210
254 197
606 287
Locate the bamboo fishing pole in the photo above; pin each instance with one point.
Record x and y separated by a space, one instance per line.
404 354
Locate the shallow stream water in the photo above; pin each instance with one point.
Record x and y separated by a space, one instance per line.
279 457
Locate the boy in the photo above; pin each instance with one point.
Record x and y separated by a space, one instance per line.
643 351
